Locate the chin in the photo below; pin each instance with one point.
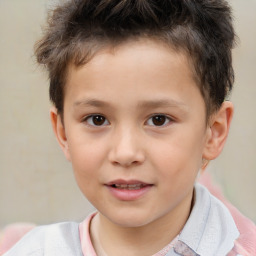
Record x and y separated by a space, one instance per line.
132 220
130 223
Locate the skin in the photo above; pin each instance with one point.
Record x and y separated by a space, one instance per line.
127 86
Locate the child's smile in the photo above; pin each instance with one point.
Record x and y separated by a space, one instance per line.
135 132
128 190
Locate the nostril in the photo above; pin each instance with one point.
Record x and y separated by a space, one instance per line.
126 164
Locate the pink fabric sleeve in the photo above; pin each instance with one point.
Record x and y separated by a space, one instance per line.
12 234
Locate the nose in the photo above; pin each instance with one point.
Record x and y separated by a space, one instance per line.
126 148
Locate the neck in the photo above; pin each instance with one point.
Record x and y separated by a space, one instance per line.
111 239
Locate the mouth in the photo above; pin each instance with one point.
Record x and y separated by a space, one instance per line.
129 186
128 190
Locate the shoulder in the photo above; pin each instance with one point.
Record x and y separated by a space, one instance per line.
210 229
246 242
56 239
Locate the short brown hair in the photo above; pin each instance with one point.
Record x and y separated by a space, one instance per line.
77 29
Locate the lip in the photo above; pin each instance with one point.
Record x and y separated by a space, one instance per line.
128 190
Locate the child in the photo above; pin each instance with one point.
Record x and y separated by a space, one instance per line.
139 92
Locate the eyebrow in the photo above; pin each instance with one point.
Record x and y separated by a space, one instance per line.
161 103
91 102
143 104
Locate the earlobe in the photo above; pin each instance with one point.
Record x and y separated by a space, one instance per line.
59 131
218 130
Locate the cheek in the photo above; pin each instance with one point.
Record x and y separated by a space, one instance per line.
86 163
177 167
86 159
178 156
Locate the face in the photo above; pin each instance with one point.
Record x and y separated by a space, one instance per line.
135 132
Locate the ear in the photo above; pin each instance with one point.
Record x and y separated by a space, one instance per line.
59 131
217 131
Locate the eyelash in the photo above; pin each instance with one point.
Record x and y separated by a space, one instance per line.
150 122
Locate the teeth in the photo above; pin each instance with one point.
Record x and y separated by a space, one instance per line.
129 186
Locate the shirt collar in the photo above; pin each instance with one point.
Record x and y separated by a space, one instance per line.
210 229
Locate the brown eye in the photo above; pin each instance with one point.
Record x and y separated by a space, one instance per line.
158 120
97 120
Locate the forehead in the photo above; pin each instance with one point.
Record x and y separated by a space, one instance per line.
146 69
141 53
